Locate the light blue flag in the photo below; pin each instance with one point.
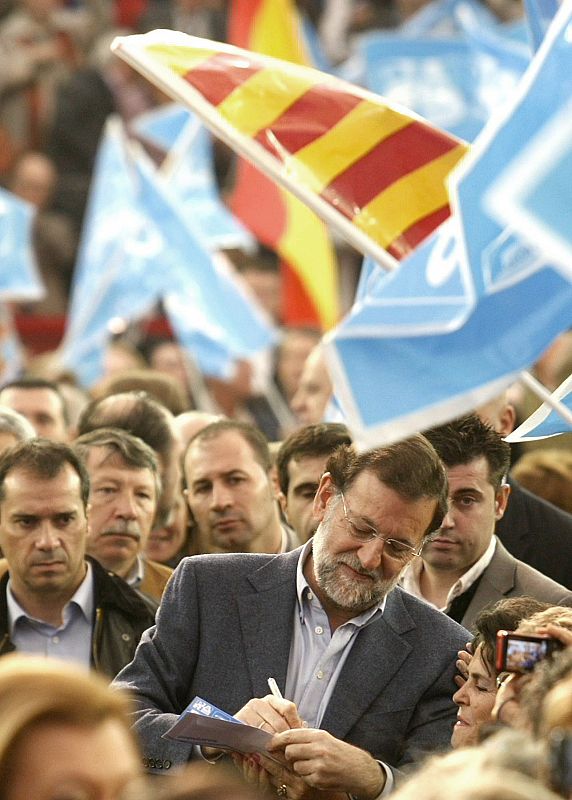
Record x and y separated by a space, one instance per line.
534 194
189 170
455 82
162 126
545 421
19 276
539 15
493 252
464 314
392 379
211 311
116 275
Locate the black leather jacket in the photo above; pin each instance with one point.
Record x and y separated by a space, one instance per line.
120 617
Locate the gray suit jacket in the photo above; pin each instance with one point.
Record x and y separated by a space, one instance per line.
224 626
506 576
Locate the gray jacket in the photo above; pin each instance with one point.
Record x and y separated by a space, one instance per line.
224 626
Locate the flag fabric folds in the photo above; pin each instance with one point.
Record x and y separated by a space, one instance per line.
475 305
137 247
19 276
373 170
545 421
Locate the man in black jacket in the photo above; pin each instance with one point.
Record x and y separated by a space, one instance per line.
54 601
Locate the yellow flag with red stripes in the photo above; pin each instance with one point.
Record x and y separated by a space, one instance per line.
375 171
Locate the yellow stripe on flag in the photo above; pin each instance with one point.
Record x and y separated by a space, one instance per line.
352 137
307 247
275 32
256 103
178 58
408 200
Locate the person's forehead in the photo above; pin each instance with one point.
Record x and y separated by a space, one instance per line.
222 453
103 462
24 486
306 469
40 397
474 474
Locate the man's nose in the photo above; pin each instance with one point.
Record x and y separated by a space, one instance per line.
448 521
221 496
126 507
48 537
370 553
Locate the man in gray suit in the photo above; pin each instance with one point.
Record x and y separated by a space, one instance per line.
465 567
367 669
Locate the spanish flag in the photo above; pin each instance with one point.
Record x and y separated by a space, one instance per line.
371 169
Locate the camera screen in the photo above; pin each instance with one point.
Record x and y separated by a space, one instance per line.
522 656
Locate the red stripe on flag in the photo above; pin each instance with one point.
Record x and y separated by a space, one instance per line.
218 76
257 201
398 155
242 17
297 305
417 232
308 118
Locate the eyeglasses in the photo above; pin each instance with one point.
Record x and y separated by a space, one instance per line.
363 532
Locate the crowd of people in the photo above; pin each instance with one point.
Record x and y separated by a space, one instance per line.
181 554
167 536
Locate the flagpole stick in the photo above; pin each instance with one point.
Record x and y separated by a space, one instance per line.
541 391
201 395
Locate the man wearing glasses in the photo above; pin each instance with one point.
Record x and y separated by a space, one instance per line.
366 669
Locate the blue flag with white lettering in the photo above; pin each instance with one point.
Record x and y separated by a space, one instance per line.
19 276
546 421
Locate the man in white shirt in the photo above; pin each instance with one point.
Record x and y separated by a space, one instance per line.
54 601
465 567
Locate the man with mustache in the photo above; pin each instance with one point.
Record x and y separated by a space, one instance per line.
54 601
466 567
231 496
125 486
366 669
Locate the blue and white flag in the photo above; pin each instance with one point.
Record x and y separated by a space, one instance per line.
19 276
12 357
534 194
117 268
545 421
162 126
468 311
454 82
189 170
539 15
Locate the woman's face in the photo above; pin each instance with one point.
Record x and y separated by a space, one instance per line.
61 761
475 699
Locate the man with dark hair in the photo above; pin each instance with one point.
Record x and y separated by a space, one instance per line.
231 496
465 568
125 487
300 464
367 667
142 416
53 600
42 403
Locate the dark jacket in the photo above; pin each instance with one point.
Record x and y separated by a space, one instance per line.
538 533
120 617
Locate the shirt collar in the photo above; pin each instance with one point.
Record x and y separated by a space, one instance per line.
303 589
412 575
137 573
82 599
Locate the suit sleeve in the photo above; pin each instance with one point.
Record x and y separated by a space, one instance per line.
159 677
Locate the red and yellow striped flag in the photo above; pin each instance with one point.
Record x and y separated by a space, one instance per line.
375 171
277 218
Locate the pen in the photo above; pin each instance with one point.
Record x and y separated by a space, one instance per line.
274 689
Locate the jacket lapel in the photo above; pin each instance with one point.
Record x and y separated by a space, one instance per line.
377 654
266 618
